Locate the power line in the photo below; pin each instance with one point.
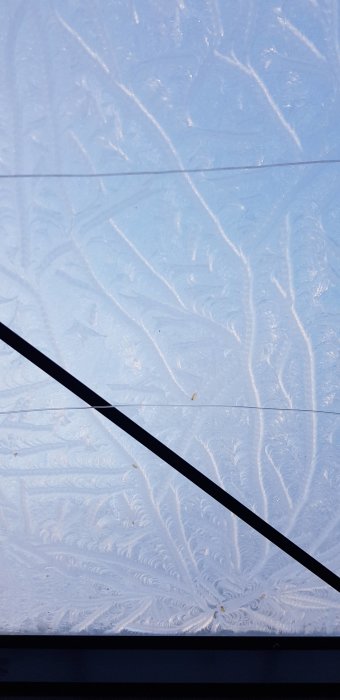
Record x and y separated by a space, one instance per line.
172 171
168 405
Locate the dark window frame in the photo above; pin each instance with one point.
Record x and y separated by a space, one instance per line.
41 662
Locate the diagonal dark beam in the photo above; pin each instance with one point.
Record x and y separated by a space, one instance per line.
167 455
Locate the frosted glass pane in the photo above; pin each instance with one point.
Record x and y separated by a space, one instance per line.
203 304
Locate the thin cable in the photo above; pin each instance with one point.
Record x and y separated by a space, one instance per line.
168 405
172 171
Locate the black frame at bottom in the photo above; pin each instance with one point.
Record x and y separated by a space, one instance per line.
159 661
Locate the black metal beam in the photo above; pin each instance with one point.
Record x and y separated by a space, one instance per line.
167 455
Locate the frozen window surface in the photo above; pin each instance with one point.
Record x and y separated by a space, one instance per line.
194 301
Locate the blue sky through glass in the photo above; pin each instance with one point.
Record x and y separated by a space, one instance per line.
179 295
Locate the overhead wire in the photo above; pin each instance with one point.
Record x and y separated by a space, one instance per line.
174 171
41 409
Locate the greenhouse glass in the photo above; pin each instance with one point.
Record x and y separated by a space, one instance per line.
169 193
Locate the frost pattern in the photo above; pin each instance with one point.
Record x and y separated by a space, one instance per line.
175 296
